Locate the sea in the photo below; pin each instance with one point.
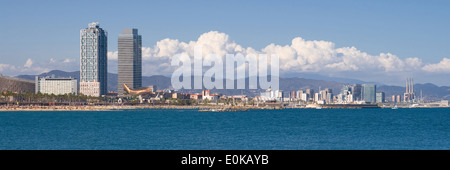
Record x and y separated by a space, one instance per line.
286 129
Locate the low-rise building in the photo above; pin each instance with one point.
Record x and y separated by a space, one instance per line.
195 96
180 96
444 103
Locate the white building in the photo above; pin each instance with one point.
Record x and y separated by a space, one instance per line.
444 103
317 96
350 98
57 86
304 97
272 95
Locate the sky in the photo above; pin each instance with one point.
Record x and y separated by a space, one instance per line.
381 41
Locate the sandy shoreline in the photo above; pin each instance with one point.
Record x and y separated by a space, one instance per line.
110 108
127 107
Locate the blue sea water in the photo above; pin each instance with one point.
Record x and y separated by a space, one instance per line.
288 129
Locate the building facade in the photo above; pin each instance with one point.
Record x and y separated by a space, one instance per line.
90 88
57 86
356 92
380 97
130 60
369 93
93 59
16 85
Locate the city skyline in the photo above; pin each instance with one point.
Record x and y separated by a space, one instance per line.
378 42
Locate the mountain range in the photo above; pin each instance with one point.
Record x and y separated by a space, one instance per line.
429 91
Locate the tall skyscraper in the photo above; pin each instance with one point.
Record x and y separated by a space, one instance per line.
369 93
130 60
93 60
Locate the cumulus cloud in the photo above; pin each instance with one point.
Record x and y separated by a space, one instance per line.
443 66
112 55
299 56
29 63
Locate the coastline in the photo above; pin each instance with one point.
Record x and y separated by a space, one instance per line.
123 107
199 107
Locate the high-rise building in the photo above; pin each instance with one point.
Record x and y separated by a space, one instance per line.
93 60
380 97
310 93
369 93
293 95
57 86
356 92
130 60
299 94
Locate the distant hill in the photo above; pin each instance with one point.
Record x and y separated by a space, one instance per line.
57 73
429 91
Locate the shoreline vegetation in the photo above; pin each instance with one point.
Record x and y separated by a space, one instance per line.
10 101
122 107
199 107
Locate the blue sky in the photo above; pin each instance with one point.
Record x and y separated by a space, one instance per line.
44 31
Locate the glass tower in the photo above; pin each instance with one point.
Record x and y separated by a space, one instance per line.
130 60
356 92
93 60
369 93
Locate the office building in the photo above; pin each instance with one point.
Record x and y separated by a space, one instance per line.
130 60
93 60
380 97
356 92
310 93
57 86
369 93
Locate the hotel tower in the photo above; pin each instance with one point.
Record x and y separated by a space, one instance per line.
93 60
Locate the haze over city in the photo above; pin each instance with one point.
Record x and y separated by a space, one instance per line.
380 41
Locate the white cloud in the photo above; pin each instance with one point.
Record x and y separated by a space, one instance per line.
413 63
28 64
441 67
300 56
6 68
112 55
69 60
